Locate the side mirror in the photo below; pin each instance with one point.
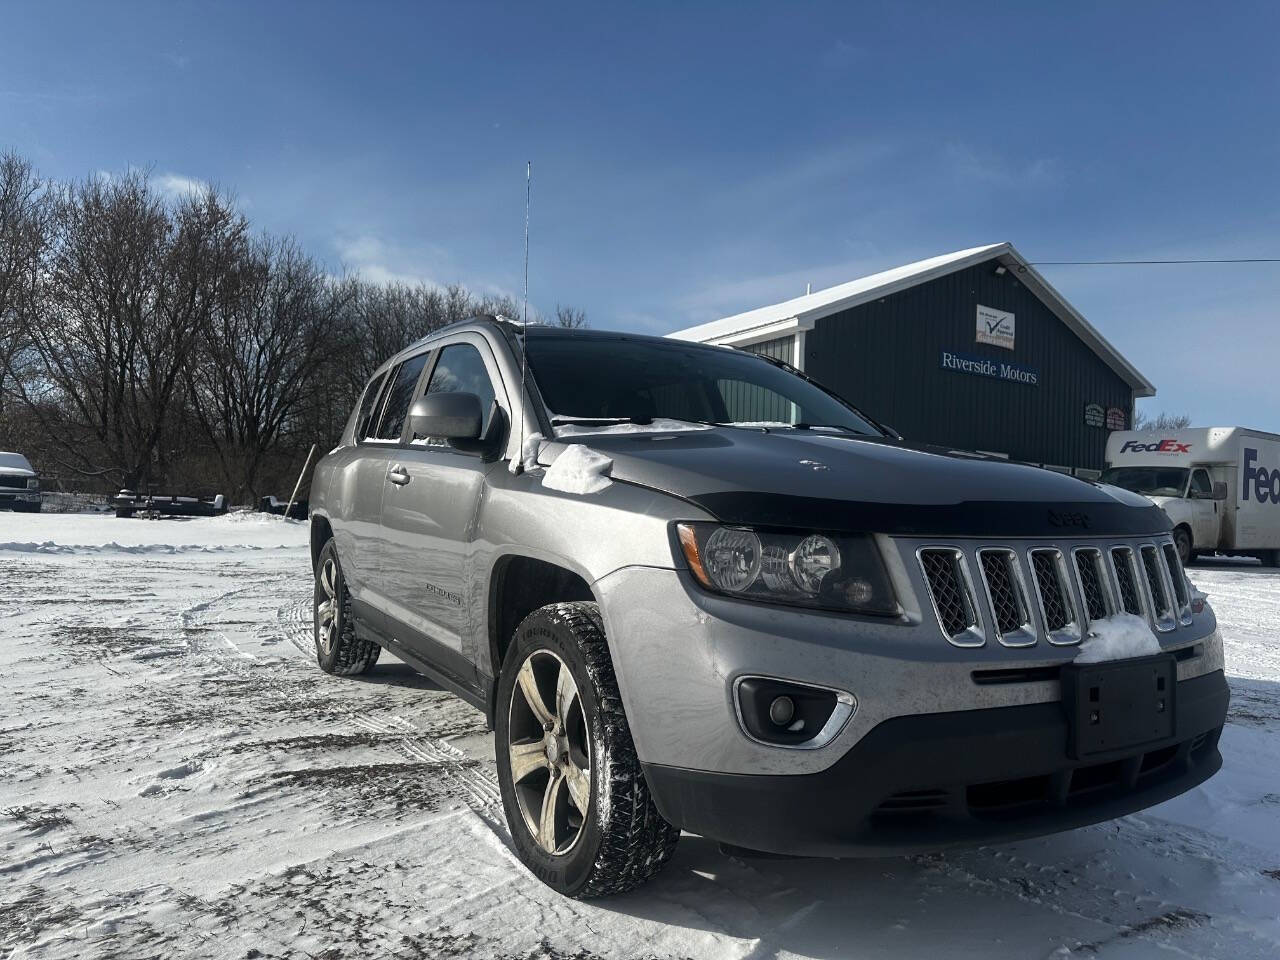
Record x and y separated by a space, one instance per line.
1219 490
450 416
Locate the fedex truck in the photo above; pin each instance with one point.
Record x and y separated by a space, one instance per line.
1219 485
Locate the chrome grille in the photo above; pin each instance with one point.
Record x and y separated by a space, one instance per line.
1178 576
1161 604
1004 590
1020 595
1126 579
1093 582
949 588
1053 590
1155 581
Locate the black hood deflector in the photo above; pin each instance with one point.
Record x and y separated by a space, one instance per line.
847 483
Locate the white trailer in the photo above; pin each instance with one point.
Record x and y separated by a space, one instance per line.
1220 486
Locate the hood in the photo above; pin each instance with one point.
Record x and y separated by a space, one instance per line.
846 483
15 465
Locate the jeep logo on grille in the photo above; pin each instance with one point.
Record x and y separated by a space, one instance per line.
1069 519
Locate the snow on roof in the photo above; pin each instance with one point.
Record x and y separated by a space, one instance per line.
800 313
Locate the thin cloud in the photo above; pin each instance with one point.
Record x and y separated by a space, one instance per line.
377 262
969 163
175 186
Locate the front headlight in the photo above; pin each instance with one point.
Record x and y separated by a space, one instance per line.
33 483
826 571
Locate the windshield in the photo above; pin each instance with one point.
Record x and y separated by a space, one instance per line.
13 461
1149 481
607 378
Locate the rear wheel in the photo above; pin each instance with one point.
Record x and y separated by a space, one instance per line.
576 800
338 649
1182 540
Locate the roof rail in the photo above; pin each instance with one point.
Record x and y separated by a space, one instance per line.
493 318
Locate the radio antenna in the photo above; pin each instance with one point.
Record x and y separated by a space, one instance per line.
528 193
517 465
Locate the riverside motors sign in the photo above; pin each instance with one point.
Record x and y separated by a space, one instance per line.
986 367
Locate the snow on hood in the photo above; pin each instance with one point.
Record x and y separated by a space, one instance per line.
578 469
12 463
1118 637
529 451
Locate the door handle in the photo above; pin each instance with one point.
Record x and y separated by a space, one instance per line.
397 476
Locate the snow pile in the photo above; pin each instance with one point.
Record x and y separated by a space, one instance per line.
1118 637
529 451
1193 592
579 469
102 533
658 425
48 546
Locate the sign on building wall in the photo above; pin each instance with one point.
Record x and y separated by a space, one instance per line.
1117 419
986 367
1095 415
995 327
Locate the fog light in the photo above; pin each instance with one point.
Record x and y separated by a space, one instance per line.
785 713
782 711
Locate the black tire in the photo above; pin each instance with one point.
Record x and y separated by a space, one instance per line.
1182 542
632 842
345 655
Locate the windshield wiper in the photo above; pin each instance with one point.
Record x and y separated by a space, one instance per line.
613 421
827 426
593 421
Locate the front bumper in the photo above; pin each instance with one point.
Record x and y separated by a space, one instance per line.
932 781
677 652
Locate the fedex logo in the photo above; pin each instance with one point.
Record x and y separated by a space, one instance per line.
1264 484
1162 446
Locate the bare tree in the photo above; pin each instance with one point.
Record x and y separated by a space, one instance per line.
23 223
570 317
125 291
261 352
1161 421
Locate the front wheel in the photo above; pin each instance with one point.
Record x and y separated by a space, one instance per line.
1182 541
576 801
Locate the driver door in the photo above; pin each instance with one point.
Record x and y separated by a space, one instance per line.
429 512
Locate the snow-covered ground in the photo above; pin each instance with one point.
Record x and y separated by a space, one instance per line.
178 778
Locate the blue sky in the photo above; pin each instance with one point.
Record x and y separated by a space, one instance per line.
692 161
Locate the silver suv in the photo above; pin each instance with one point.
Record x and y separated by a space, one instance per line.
692 589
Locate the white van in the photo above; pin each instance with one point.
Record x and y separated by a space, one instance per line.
1219 485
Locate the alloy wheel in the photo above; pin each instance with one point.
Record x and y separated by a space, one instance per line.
549 747
327 609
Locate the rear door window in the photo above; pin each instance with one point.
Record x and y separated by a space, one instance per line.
396 409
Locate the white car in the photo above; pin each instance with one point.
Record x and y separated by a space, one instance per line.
19 484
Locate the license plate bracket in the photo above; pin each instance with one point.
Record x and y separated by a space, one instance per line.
1118 704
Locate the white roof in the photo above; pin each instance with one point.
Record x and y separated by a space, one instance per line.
801 313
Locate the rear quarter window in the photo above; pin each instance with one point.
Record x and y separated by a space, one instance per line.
367 405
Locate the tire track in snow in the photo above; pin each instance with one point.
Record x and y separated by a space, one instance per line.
471 782
295 620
